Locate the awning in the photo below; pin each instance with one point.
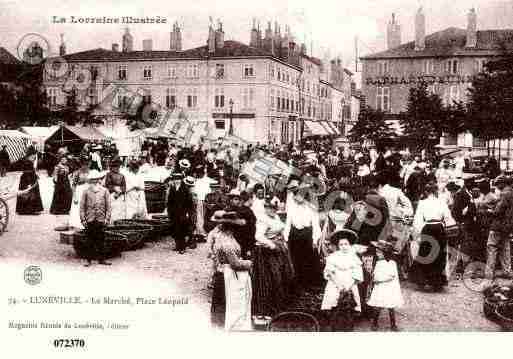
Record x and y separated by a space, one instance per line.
319 128
333 127
87 133
16 142
39 134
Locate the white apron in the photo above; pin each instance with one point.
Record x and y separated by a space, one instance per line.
237 286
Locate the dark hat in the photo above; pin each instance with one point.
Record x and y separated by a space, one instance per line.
220 215
116 161
31 151
177 176
348 234
452 187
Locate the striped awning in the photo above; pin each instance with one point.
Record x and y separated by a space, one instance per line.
16 142
319 128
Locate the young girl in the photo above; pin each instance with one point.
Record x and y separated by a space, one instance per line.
343 271
387 291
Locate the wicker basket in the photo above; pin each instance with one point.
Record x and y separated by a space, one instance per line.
136 234
114 244
159 228
67 237
155 193
504 315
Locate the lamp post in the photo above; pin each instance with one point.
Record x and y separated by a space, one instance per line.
230 130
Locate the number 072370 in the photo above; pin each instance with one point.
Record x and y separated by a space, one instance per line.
69 343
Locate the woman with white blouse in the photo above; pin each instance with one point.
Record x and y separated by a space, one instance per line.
302 232
429 227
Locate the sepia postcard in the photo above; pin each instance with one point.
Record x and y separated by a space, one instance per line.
182 177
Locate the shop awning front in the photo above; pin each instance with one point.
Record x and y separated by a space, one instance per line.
87 133
318 128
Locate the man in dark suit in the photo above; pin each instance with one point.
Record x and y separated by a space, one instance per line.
180 210
464 211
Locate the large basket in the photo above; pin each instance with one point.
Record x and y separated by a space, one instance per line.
114 244
136 234
504 315
155 193
294 322
159 227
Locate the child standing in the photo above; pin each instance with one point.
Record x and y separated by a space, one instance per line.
343 272
386 292
95 212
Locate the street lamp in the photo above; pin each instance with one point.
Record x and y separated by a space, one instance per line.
230 131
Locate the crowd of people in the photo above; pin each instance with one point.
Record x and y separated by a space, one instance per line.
271 243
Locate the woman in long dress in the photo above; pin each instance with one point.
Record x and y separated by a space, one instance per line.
29 202
273 273
231 295
429 226
79 184
135 198
303 232
62 195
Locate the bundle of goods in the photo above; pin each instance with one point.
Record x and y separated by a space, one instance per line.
495 297
136 234
504 316
114 244
155 193
159 227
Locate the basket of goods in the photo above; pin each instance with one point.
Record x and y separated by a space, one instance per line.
160 216
155 193
309 302
294 322
114 244
494 297
504 316
66 237
159 227
136 234
453 235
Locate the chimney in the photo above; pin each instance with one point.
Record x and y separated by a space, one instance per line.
393 33
128 41
268 31
420 30
211 39
178 38
62 47
219 35
471 28
147 45
172 38
115 47
253 42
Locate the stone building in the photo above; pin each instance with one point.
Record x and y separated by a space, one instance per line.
446 60
272 90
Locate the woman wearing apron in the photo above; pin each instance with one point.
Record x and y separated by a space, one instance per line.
79 184
116 184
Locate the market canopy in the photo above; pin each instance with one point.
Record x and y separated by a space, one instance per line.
16 142
87 133
320 128
39 134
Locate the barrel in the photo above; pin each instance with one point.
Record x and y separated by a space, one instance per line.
155 193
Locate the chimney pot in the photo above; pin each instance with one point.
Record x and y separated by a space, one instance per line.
115 47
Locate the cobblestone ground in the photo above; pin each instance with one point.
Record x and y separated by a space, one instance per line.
32 240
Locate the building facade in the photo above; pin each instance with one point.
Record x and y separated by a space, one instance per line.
446 60
271 90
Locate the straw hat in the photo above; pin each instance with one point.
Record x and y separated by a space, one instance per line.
189 181
234 193
348 234
184 163
95 175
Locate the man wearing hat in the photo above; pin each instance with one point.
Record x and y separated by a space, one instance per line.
500 230
180 210
95 214
244 231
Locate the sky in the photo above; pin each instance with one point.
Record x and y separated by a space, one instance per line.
328 27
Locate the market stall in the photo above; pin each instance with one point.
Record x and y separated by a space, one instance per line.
39 135
74 137
16 142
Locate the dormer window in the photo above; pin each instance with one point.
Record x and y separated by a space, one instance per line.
452 66
383 68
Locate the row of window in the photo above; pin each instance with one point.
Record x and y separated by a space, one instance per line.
448 94
431 66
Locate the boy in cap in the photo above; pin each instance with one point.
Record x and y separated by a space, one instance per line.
95 213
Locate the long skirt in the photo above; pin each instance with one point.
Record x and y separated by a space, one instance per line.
273 277
199 228
218 305
305 259
74 212
29 203
62 196
118 206
430 263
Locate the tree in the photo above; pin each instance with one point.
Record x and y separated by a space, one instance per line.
425 118
371 126
490 112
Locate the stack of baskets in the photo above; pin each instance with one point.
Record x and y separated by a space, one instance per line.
498 305
136 234
115 243
155 193
159 227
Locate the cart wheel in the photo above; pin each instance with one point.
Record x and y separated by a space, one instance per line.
4 215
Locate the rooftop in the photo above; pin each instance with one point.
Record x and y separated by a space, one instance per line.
451 42
6 58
